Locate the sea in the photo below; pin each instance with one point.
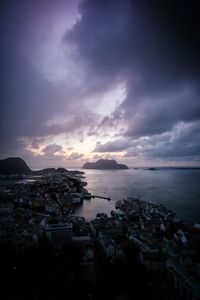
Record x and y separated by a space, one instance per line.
177 189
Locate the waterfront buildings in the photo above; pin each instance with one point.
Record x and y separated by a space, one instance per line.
153 235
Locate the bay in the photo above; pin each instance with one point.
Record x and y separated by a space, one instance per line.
177 189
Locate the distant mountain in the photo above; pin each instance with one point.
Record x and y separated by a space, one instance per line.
14 165
104 164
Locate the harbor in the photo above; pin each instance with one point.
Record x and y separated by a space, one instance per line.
157 239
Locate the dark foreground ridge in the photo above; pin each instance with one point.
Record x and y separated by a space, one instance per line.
104 164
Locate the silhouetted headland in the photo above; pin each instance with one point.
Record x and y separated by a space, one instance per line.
14 165
17 166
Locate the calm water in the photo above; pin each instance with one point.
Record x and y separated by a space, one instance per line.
178 190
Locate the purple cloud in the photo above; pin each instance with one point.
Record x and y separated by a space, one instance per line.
58 59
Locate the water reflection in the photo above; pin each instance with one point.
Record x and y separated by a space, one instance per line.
177 189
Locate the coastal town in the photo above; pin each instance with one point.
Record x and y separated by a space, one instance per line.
100 150
141 247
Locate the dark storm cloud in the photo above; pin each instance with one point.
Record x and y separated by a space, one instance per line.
154 47
139 36
24 92
159 113
28 100
186 133
75 155
182 142
52 149
35 144
115 146
171 150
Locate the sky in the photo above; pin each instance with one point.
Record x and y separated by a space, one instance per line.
88 79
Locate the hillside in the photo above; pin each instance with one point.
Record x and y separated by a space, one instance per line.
14 165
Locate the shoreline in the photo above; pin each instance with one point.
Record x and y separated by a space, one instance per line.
38 216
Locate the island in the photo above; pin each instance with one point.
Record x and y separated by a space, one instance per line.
104 164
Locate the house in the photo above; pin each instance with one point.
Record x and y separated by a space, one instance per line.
76 198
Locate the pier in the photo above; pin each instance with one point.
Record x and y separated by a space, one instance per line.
101 197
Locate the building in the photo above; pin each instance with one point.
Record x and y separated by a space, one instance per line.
58 234
76 198
52 207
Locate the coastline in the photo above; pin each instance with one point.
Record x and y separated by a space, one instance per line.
39 215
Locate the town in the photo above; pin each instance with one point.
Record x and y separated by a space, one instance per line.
140 249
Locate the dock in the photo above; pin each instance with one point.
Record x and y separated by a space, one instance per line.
101 197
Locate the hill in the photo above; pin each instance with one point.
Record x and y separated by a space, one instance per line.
104 164
14 165
51 170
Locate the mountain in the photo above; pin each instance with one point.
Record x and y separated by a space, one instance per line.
104 164
14 165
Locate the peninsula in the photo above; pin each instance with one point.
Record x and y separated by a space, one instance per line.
104 164
17 166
